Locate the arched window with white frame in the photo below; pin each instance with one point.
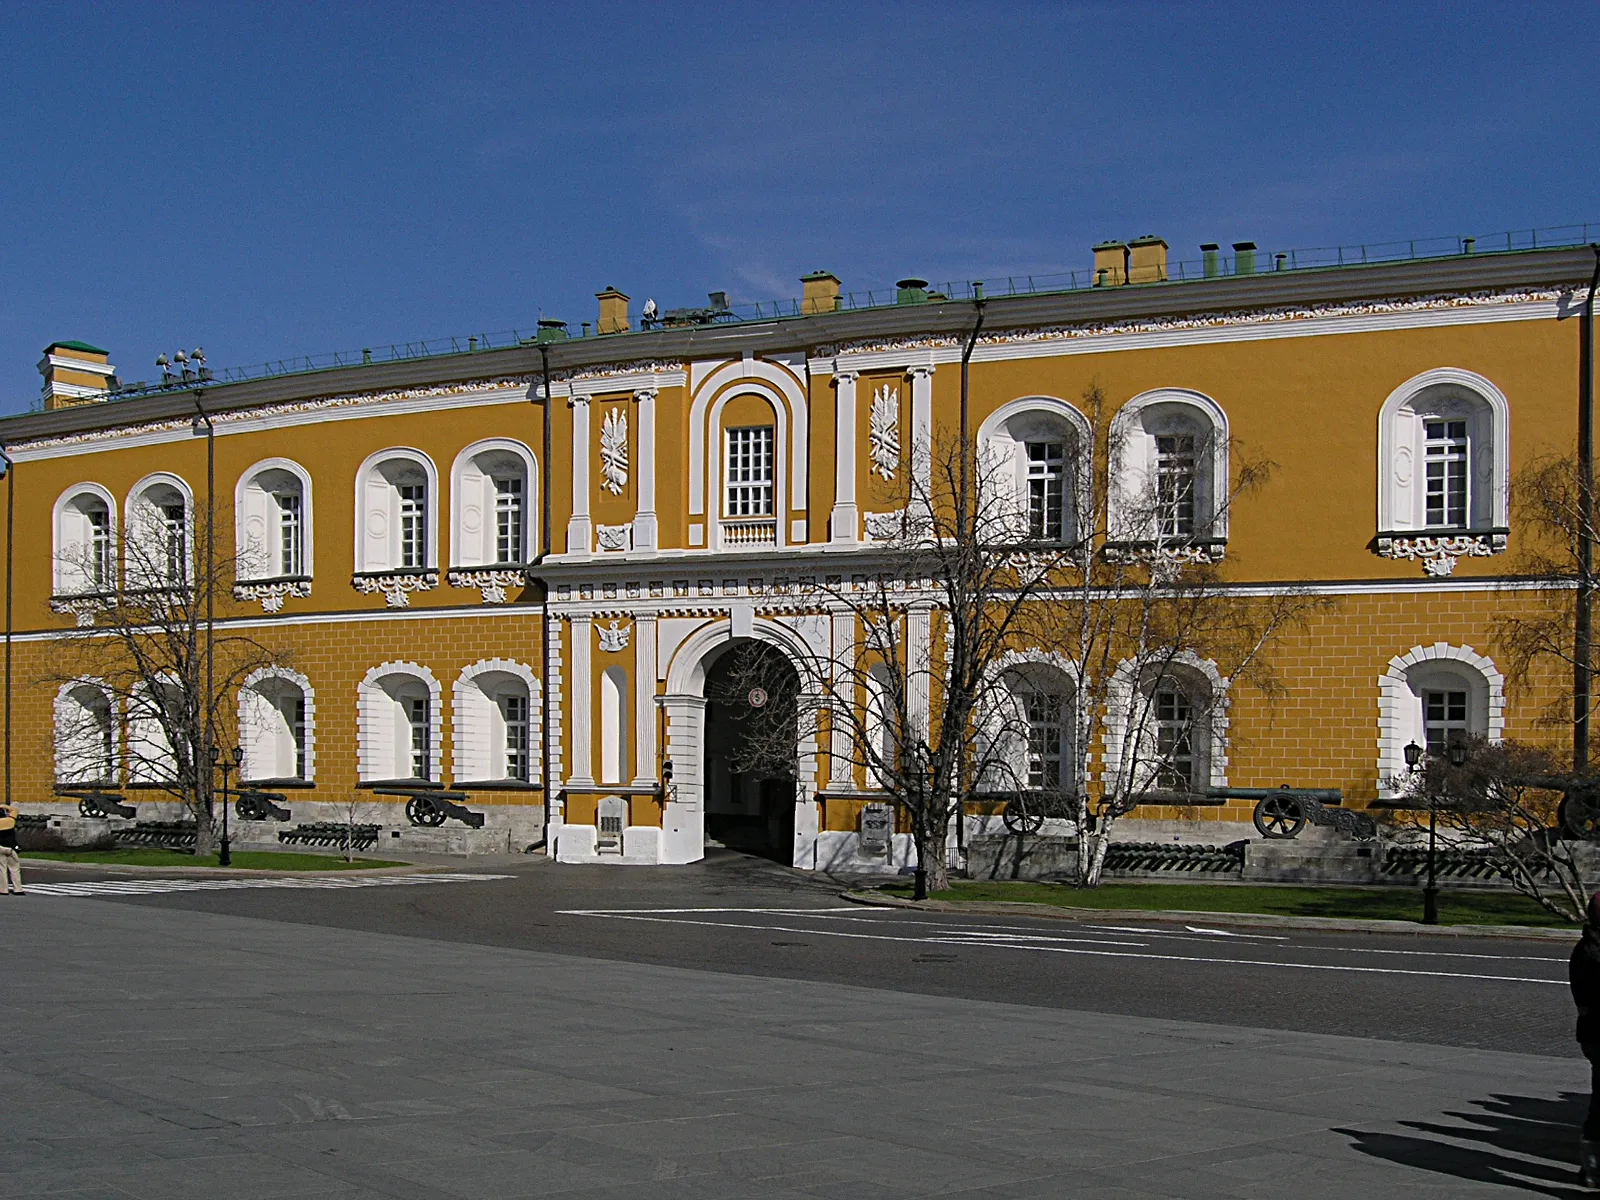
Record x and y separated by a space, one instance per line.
1169 470
85 541
397 519
398 738
159 542
85 734
493 497
273 521
1443 469
1430 695
1166 724
157 729
496 723
1028 725
277 716
1034 454
613 725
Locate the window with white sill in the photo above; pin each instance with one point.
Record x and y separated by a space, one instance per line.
396 513
492 492
1169 471
273 522
84 554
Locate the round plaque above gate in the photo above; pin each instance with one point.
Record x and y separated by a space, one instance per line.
758 697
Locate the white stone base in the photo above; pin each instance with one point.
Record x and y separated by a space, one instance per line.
840 852
641 846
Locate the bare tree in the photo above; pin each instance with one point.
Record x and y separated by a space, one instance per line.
924 686
1506 803
139 679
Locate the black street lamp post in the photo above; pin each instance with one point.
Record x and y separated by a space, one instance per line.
225 857
1430 890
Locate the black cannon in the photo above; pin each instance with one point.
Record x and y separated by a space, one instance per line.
1280 812
254 805
430 808
99 805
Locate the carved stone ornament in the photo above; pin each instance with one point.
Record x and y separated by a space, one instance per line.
614 637
493 584
83 608
883 526
614 537
1164 562
883 433
273 592
1439 555
614 451
397 588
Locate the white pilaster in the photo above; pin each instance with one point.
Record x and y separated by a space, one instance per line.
845 520
919 641
683 833
644 698
644 520
579 688
580 529
840 757
922 428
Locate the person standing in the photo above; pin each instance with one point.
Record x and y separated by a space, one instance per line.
9 861
1583 972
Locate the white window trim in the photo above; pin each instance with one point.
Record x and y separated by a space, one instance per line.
714 438
58 551
284 673
997 443
1017 663
1127 425
775 384
1123 681
369 746
307 514
130 509
469 744
1399 718
1391 450
63 698
530 500
435 552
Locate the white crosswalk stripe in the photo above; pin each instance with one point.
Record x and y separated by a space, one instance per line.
146 887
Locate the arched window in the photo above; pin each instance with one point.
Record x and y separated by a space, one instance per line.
276 726
1443 469
1169 454
396 512
1033 452
495 723
160 536
272 522
85 734
492 499
157 730
613 725
399 733
1430 694
1176 706
1028 744
878 726
85 538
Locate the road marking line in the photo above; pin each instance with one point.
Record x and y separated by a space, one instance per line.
147 887
1018 945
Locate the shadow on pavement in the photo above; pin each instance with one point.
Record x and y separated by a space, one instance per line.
1522 1142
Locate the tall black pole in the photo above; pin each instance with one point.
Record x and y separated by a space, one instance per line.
208 730
1430 892
11 525
544 601
1583 651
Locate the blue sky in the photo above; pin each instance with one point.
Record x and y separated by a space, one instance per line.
270 180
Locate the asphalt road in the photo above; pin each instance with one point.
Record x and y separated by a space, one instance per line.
745 916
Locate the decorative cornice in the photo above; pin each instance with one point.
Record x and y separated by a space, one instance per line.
82 607
491 582
1439 553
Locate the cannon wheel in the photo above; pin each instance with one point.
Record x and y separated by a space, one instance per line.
1279 817
88 808
249 808
1019 820
422 811
1580 817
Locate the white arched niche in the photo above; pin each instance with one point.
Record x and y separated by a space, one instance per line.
273 525
1033 450
613 725
1152 704
1444 455
496 726
398 736
1169 469
277 726
492 488
85 734
1465 689
159 542
397 512
85 525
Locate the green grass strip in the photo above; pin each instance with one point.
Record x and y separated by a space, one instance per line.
1363 903
248 860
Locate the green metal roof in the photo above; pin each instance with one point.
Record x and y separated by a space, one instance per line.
83 346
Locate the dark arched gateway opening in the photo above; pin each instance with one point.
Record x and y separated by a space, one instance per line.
751 750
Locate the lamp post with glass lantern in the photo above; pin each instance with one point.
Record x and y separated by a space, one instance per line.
225 857
1430 890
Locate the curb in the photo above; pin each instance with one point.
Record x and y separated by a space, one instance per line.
49 864
1246 920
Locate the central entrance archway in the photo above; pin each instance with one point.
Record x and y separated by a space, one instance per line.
751 749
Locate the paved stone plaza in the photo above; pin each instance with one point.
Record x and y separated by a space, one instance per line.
154 1052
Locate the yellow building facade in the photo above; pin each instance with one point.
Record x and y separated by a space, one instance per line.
389 522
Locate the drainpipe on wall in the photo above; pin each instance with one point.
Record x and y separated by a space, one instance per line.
544 600
1582 656
962 521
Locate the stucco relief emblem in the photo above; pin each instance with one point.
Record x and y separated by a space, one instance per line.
273 593
1439 555
614 451
614 537
614 638
884 431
